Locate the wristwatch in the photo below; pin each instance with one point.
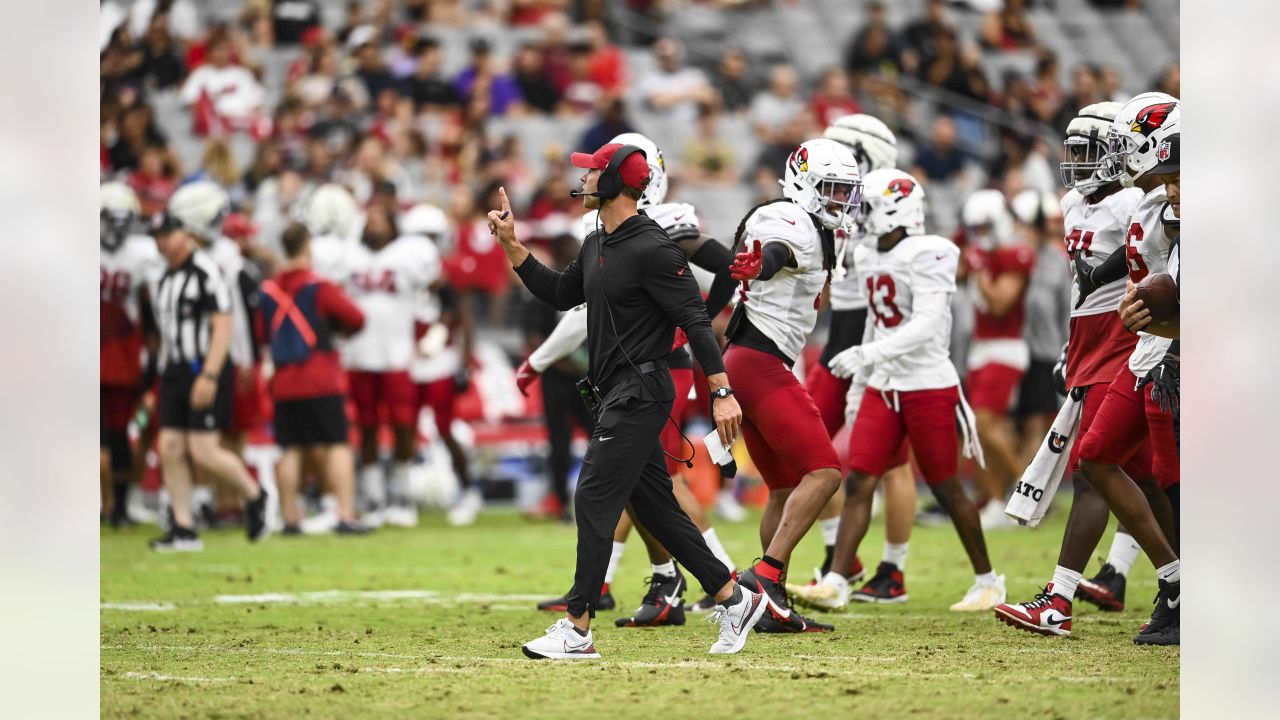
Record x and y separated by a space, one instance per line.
721 393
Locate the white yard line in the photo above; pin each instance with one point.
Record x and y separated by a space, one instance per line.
173 678
138 607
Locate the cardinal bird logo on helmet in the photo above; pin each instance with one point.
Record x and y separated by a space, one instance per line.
900 188
800 159
1152 117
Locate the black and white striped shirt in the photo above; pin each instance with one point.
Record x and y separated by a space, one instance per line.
185 299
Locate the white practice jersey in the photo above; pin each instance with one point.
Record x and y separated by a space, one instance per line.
920 269
124 271
226 254
437 355
846 291
785 307
1095 230
387 286
328 256
1148 254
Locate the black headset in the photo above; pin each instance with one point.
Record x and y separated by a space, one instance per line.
610 185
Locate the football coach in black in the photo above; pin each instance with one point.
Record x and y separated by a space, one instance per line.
638 288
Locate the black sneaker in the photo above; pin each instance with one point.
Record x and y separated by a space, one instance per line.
887 586
255 517
1164 628
780 618
561 604
1106 589
291 531
705 605
352 528
178 539
662 605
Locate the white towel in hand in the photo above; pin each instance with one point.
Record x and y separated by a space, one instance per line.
1034 492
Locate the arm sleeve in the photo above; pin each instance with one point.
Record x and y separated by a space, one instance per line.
560 290
568 335
672 286
716 258
1113 268
339 308
926 314
776 256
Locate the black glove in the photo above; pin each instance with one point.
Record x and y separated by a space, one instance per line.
1084 278
1164 379
729 470
462 379
1060 372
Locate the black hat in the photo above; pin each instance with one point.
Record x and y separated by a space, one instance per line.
1168 156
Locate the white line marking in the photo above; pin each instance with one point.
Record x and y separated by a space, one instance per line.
173 678
138 607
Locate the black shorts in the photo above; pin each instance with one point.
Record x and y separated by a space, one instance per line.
1036 395
175 401
311 421
846 331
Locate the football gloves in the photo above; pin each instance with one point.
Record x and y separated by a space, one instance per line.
1060 372
847 363
747 265
1164 382
525 376
1085 279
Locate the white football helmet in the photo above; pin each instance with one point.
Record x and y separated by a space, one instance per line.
424 219
655 193
872 142
891 199
331 210
199 209
822 177
986 219
1141 137
1085 145
1032 207
118 211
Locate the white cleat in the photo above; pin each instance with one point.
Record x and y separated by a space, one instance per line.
373 519
728 508
321 523
469 505
982 597
405 516
829 593
736 621
562 642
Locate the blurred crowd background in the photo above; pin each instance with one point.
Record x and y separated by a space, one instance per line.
443 101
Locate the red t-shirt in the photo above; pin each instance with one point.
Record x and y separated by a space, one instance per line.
828 111
321 375
1017 259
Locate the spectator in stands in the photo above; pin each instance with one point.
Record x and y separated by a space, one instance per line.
608 66
402 57
427 88
958 70
582 94
774 108
483 76
353 19
732 81
154 180
161 63
772 160
370 68
833 98
674 90
1008 28
219 165
1016 95
223 93
874 48
555 49
920 37
182 17
708 159
531 12
940 160
536 88
551 211
1109 84
292 19
1170 81
1084 92
613 121
136 132
1046 90
477 267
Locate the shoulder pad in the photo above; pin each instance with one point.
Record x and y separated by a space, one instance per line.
678 219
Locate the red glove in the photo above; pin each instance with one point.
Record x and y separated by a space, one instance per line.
976 260
525 376
681 339
747 265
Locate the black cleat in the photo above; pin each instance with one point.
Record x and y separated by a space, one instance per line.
352 528
561 604
291 531
887 586
1106 589
780 618
662 605
1165 625
178 539
706 604
255 517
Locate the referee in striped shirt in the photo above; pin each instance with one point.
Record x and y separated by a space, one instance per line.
193 313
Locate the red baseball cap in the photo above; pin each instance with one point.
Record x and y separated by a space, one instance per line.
634 170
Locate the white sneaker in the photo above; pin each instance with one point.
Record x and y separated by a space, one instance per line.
405 516
993 517
322 523
469 505
728 508
374 518
982 597
829 593
736 621
562 642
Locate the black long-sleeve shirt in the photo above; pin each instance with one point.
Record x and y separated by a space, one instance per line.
644 278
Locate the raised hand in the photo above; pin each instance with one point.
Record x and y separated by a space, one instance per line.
747 265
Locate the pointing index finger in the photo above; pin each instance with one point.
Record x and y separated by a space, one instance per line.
506 206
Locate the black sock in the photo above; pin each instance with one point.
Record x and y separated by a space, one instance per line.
1174 495
830 552
774 563
120 494
579 630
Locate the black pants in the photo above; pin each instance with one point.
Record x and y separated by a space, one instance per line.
625 466
562 405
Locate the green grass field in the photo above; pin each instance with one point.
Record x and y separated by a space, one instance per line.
429 623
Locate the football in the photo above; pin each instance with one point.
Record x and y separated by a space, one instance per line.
1159 293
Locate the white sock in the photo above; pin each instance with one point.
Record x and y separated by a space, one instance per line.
1065 581
896 554
615 557
1171 572
986 579
1124 551
830 527
666 569
372 486
717 549
201 495
398 491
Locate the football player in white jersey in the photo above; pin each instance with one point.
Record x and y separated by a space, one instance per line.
128 264
333 217
663 603
1142 146
875 147
910 389
385 273
788 255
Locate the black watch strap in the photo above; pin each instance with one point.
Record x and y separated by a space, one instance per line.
721 393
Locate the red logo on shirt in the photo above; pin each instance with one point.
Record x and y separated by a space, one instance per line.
680 272
677 218
793 222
